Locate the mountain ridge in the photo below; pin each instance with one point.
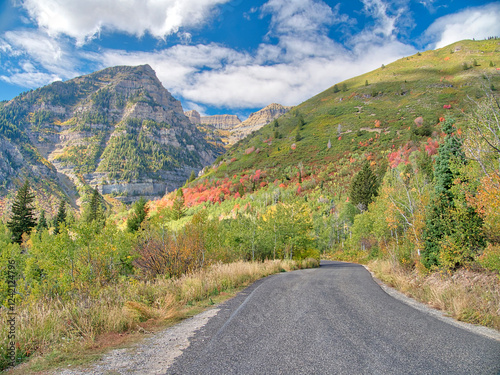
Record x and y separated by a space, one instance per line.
118 129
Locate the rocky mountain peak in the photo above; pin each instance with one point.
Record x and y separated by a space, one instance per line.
257 120
117 128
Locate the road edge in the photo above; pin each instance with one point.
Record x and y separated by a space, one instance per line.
438 314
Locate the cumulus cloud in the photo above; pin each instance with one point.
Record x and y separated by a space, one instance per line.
479 23
297 60
32 59
29 79
83 20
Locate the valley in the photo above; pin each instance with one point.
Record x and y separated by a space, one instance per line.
123 213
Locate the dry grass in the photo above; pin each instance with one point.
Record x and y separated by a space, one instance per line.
56 331
466 295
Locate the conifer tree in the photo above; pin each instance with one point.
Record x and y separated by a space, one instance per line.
60 217
178 209
449 218
364 187
23 217
42 222
192 177
95 210
140 212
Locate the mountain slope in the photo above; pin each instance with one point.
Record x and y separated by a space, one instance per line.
118 129
368 116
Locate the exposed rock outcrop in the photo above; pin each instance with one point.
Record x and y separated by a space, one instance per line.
118 128
257 120
230 127
193 116
224 122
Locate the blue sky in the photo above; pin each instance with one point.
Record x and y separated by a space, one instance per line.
228 56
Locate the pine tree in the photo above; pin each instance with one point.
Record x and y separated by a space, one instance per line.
192 177
178 209
364 187
139 215
95 211
23 218
42 222
301 123
60 217
449 218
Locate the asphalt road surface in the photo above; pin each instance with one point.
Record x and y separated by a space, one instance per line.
331 320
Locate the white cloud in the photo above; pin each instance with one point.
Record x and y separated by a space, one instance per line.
303 62
84 20
30 79
479 23
41 51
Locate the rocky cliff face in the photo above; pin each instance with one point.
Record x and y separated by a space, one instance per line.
257 120
193 116
118 129
223 122
230 129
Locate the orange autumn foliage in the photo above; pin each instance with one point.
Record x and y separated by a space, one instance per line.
487 204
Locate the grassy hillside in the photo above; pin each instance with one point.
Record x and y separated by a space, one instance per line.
372 113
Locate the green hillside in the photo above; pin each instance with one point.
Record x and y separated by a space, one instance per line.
374 112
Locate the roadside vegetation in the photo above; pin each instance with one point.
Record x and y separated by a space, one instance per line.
397 169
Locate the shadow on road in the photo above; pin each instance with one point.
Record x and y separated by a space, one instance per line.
336 264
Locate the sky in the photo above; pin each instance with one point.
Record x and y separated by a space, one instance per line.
228 56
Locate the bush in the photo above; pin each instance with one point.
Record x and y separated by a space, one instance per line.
490 258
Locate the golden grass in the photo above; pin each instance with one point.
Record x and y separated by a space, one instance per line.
466 295
56 331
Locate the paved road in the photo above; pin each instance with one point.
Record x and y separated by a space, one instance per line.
332 320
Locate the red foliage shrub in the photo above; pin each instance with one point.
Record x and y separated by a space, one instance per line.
431 147
249 150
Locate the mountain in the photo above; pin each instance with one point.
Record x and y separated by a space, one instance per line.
256 121
223 122
229 129
389 110
118 129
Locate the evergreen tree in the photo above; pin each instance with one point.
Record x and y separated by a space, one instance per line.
336 88
140 212
23 218
301 123
192 177
452 232
42 222
178 209
450 151
364 187
94 209
60 217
